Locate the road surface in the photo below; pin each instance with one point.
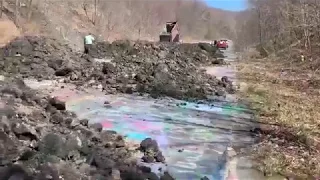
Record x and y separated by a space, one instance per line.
195 138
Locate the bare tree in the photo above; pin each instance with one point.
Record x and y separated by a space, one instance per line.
283 24
16 12
29 9
94 18
2 6
145 19
259 24
86 7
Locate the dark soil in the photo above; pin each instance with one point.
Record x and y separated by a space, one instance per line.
144 67
52 143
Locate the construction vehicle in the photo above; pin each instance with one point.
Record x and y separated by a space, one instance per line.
170 32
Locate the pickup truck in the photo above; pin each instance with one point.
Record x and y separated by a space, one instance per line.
222 44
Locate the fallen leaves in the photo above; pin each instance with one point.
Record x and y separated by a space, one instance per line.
292 148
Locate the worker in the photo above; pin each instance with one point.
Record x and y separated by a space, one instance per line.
88 41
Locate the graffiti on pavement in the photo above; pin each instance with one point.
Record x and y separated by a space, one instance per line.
186 132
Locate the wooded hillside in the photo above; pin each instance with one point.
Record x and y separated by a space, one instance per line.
281 24
130 19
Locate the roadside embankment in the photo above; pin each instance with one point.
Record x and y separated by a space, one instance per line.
285 95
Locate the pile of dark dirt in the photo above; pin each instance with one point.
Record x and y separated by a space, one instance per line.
40 140
160 69
37 57
196 53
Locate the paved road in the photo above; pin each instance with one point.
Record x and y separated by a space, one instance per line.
193 137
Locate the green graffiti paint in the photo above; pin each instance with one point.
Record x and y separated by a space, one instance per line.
232 109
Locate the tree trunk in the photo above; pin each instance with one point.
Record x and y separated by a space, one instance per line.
16 12
260 26
95 12
139 33
2 4
29 9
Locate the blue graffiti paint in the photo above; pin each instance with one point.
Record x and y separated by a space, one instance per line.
174 128
136 136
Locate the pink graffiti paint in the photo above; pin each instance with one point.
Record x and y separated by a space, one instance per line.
147 126
107 124
232 177
143 126
117 103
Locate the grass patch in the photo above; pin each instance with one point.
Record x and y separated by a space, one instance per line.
290 113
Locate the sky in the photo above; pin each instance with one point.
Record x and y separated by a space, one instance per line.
232 5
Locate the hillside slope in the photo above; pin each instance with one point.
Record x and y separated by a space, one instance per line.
111 20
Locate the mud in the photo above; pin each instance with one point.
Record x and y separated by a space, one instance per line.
41 140
125 67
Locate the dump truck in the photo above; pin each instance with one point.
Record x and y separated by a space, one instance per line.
170 32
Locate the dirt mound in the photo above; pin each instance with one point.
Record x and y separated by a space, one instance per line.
158 69
41 140
198 52
38 57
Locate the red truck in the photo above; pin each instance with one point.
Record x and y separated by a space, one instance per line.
222 44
